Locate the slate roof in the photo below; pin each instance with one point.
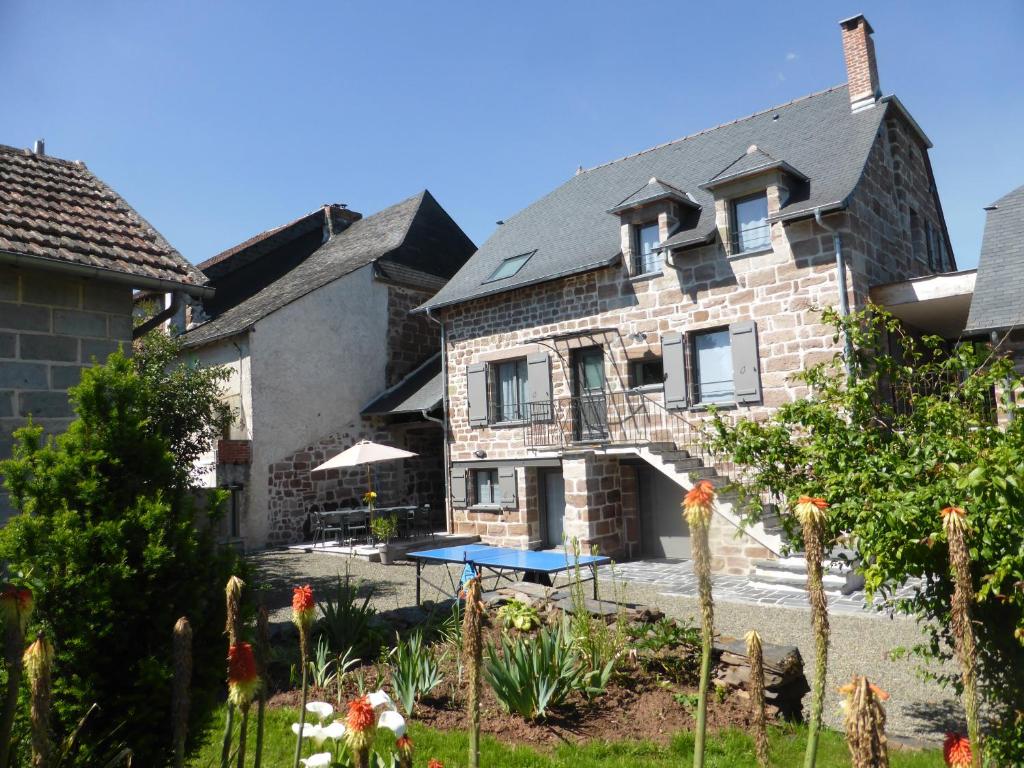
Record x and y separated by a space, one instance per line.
58 210
754 160
655 189
998 301
416 234
573 232
419 391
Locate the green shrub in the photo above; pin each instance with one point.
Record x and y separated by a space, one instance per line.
533 673
108 532
345 620
415 671
519 615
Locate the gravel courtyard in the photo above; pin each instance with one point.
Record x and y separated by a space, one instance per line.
918 711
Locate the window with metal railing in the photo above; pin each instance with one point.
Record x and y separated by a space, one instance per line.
510 391
647 259
750 228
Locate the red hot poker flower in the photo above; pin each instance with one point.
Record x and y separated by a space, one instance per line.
303 605
16 604
957 751
360 715
698 501
243 680
435 764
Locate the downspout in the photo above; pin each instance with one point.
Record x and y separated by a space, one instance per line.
448 521
844 303
159 317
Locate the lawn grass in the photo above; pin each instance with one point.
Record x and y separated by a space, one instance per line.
726 749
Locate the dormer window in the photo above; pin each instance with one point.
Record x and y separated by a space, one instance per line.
648 257
751 230
509 266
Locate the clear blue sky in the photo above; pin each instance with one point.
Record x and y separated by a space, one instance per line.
218 120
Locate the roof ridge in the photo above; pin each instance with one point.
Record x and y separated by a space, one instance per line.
716 127
422 197
26 152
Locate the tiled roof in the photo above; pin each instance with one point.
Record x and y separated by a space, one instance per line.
420 391
572 231
415 237
998 301
59 210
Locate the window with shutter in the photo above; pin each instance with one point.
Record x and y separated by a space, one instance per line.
746 363
539 388
713 366
673 359
507 487
458 486
476 394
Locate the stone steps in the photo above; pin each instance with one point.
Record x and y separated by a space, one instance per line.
838 578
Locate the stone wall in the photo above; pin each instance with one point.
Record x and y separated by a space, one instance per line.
51 327
292 488
781 289
411 338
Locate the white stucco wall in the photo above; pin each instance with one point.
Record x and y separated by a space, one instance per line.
315 363
231 353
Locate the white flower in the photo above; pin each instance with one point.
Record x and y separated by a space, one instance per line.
393 721
311 731
335 730
321 709
380 699
319 760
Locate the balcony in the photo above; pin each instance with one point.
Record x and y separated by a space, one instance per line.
629 417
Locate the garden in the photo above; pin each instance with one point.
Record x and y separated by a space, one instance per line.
131 637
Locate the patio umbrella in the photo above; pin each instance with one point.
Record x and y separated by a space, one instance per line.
364 452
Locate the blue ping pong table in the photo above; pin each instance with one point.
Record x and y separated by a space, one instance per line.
503 563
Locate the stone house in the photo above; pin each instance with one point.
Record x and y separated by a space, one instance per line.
586 339
313 321
71 252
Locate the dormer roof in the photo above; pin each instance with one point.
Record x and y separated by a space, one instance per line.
653 191
752 162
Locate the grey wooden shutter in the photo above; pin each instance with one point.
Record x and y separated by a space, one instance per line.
538 368
476 394
458 487
673 359
746 366
507 486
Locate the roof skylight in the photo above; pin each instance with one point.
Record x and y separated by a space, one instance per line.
509 266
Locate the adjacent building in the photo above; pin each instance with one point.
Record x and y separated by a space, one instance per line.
313 320
586 339
71 252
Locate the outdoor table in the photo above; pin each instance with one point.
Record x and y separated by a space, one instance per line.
505 564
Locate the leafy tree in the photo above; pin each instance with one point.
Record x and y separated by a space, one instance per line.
907 431
185 405
108 531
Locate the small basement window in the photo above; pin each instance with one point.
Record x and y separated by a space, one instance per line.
649 372
509 266
486 490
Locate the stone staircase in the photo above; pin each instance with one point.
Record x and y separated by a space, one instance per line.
785 572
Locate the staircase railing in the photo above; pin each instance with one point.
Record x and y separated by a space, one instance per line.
628 417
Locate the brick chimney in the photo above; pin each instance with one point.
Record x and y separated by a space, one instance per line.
861 69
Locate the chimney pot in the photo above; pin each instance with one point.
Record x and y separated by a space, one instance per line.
39 148
861 67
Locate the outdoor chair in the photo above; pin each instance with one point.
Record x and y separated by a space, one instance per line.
323 526
356 523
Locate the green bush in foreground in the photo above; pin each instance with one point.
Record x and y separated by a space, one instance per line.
106 531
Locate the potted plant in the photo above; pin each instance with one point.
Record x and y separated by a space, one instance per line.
384 529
